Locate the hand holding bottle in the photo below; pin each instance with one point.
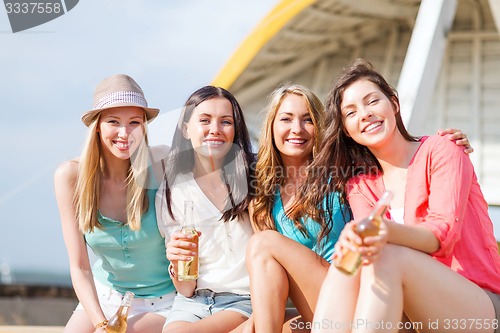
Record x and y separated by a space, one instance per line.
181 247
363 240
118 323
372 245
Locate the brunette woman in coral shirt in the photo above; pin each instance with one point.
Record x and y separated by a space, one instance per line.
435 264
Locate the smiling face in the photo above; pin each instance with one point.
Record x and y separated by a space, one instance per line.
121 130
293 129
211 128
368 114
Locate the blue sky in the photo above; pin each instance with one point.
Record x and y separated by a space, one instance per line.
47 77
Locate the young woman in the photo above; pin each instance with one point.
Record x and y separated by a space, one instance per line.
105 203
209 164
284 251
435 262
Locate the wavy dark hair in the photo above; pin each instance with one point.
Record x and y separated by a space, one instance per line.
340 157
240 156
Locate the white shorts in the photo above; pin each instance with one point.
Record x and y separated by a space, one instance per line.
110 300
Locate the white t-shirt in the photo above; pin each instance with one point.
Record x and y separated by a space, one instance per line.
222 245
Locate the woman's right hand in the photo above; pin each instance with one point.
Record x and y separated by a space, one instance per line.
369 247
180 247
373 245
348 240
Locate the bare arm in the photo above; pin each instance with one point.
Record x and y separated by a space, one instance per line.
81 273
413 236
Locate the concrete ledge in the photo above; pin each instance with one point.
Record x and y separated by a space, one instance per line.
36 306
36 311
31 329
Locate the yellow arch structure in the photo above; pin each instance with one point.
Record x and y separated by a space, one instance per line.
267 29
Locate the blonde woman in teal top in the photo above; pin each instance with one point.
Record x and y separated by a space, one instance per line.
288 257
309 238
106 201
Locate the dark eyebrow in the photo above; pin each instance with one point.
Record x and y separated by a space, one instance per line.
367 96
370 94
209 115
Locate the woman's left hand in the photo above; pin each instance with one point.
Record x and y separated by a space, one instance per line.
458 137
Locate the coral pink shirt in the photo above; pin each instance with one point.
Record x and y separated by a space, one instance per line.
442 194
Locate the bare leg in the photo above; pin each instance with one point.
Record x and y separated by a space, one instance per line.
220 322
294 323
430 291
337 302
292 320
407 325
280 267
245 327
79 322
411 281
146 323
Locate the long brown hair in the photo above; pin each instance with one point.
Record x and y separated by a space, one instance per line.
340 157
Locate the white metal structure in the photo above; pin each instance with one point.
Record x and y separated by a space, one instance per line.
448 77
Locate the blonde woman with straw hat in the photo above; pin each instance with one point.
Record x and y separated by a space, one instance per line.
106 202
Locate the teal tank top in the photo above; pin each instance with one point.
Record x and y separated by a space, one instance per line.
325 249
131 260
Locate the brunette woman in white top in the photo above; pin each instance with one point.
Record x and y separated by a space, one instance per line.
209 164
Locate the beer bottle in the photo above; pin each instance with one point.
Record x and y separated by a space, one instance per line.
349 261
118 323
188 270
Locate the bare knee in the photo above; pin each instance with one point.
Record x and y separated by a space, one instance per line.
395 256
259 245
394 260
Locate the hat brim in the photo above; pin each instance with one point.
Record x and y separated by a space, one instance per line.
89 116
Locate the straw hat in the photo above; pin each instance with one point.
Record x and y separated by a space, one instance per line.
115 91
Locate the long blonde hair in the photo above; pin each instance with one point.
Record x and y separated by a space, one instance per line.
270 169
90 170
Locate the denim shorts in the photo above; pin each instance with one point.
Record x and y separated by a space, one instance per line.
110 301
204 303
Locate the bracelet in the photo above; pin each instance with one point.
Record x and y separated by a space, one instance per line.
101 324
171 272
